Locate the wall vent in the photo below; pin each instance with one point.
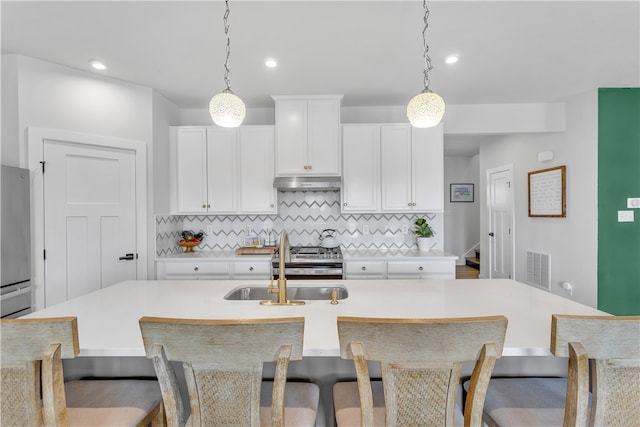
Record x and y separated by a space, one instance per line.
538 270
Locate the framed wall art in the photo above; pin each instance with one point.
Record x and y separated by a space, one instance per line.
547 188
461 192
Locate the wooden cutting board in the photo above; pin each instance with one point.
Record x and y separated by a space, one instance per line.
256 251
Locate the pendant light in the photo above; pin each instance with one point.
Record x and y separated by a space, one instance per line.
426 108
226 108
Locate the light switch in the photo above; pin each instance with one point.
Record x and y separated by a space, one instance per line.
633 203
625 216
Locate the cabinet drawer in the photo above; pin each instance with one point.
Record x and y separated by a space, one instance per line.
420 267
197 268
250 268
368 268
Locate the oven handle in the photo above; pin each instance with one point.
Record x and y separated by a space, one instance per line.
15 293
311 271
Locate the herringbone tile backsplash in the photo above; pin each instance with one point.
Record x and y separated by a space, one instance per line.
303 214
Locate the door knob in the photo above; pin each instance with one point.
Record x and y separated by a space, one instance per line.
491 234
128 257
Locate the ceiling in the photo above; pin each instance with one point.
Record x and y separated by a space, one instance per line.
370 51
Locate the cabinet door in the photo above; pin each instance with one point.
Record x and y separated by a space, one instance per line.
361 165
425 269
291 138
427 168
255 186
221 169
323 122
192 270
250 270
191 169
395 172
358 270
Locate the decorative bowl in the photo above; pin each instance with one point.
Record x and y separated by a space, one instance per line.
188 246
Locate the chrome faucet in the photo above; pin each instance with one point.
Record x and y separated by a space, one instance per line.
281 288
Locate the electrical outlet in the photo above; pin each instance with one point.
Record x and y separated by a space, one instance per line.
365 229
405 229
209 230
633 203
625 216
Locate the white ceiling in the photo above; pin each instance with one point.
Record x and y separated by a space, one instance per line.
370 51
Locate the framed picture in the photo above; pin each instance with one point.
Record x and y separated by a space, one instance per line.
461 192
547 189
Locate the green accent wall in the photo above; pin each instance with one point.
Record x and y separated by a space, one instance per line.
618 179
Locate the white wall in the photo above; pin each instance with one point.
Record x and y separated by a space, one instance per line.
52 96
9 113
165 114
571 241
461 220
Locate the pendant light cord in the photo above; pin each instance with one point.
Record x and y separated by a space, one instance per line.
226 62
427 60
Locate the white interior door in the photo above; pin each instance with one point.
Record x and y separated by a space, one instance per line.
90 218
500 205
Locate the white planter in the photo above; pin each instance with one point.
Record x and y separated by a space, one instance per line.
424 243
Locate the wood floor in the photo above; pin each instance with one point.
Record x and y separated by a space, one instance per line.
466 272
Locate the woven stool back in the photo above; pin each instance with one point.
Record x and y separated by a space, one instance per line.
222 361
420 363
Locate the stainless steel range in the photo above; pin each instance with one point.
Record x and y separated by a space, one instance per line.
310 262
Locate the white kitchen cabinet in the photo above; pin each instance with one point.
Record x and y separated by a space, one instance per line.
217 170
203 269
395 170
422 269
308 135
203 172
411 172
251 270
360 168
360 270
256 172
192 270
427 168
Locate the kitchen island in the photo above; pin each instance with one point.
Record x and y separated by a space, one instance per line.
109 331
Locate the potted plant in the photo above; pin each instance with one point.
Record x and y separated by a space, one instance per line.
424 233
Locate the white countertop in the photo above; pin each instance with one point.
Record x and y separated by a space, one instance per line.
197 255
108 319
404 254
348 255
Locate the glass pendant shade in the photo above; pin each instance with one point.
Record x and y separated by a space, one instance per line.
425 110
227 109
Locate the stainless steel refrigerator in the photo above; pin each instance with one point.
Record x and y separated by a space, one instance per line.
15 271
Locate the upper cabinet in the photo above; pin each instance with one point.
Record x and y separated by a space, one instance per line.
203 169
392 168
308 135
257 158
411 172
360 168
217 170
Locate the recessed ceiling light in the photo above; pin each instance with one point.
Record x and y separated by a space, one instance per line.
451 59
271 63
97 65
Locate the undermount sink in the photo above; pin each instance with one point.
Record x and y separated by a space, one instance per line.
258 293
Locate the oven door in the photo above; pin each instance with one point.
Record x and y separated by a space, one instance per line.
316 272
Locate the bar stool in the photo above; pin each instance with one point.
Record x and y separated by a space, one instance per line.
33 388
223 364
610 346
420 362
